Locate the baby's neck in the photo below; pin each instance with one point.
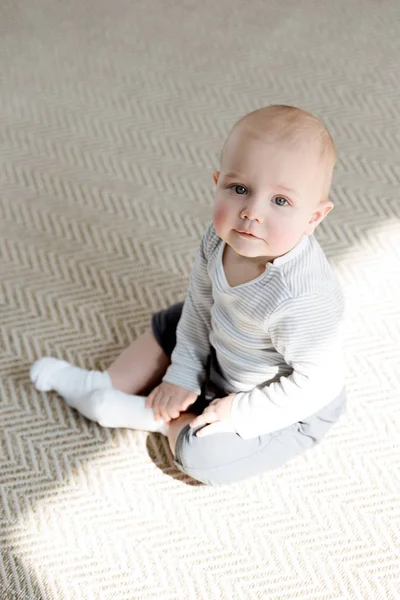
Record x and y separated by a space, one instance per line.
258 262
239 269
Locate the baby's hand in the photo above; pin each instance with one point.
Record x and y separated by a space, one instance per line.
168 401
218 413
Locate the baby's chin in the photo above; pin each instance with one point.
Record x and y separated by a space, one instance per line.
258 250
254 249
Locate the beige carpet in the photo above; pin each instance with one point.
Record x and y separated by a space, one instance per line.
112 115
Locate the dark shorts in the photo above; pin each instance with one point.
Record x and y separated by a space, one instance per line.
164 324
224 458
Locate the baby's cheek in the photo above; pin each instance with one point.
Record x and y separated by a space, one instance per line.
285 237
220 216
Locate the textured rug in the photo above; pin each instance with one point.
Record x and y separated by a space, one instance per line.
112 116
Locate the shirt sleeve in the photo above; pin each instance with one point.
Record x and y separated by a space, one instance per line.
189 357
306 331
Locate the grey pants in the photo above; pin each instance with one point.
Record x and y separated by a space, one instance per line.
224 458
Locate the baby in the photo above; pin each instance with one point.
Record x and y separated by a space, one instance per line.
248 372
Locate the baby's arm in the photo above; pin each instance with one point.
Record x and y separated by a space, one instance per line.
306 332
189 358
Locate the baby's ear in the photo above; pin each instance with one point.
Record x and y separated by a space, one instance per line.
325 207
215 176
328 206
322 210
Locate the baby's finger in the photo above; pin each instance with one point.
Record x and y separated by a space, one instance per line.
214 402
156 406
187 402
150 398
203 419
212 428
164 411
174 413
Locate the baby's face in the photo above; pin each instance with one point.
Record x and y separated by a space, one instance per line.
274 191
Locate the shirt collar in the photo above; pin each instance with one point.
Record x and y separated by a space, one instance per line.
295 251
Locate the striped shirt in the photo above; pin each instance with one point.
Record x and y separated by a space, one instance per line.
277 338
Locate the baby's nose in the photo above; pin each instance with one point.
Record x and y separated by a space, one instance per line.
253 214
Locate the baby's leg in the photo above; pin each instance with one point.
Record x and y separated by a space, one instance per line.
224 458
138 369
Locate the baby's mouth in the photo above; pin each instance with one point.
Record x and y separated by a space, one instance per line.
247 234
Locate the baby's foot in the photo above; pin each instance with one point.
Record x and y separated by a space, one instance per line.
70 382
111 408
44 373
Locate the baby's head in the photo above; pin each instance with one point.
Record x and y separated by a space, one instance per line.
274 179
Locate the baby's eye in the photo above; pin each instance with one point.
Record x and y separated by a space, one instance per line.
240 189
280 201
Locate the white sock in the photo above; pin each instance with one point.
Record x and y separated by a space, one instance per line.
70 382
91 393
111 408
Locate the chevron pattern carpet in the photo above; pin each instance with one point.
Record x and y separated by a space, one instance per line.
112 116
